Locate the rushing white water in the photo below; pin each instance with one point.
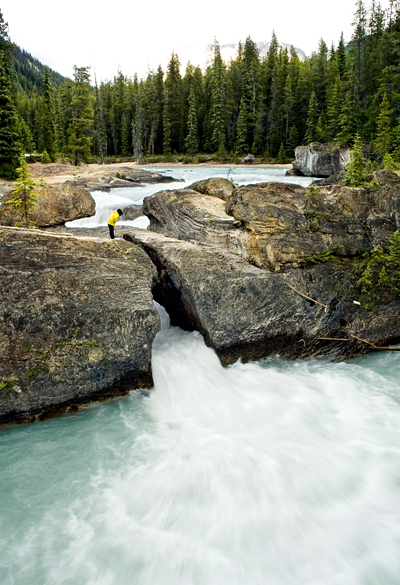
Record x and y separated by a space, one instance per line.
267 473
106 202
272 473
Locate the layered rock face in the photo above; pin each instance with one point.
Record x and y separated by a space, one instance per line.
214 261
320 160
56 205
189 215
273 225
247 313
77 321
216 187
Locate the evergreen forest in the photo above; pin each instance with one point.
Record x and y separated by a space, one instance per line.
250 105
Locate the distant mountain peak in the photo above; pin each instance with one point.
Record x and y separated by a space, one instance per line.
201 55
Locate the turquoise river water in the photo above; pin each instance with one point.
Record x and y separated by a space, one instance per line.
266 473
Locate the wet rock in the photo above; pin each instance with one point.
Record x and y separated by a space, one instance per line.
132 212
330 180
285 224
216 187
294 173
56 205
250 159
124 177
321 160
248 313
77 321
188 215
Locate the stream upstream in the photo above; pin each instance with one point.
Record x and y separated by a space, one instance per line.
265 473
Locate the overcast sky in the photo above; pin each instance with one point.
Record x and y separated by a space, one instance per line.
133 36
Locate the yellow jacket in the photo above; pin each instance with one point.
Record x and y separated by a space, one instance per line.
112 220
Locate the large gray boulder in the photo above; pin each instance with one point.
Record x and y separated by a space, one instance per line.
57 204
215 187
77 321
275 225
248 313
320 160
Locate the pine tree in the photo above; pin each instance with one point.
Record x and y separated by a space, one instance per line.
217 118
241 130
173 107
49 129
334 107
288 105
192 139
292 142
355 172
341 56
125 149
282 154
10 146
383 136
45 157
312 119
99 130
82 114
24 198
348 115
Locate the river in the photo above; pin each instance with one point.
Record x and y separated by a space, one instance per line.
266 473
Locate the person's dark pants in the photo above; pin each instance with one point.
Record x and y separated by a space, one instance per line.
111 229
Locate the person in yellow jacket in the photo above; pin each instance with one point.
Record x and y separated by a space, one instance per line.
112 220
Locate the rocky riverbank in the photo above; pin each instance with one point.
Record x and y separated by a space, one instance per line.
258 270
77 322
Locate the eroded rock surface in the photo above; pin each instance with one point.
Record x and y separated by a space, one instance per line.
57 204
320 160
215 187
77 321
123 177
275 225
188 215
249 313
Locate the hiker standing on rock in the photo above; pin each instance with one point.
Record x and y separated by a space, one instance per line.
112 220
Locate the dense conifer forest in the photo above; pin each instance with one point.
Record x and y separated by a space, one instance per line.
250 105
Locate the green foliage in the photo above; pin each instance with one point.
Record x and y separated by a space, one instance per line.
45 157
312 119
10 146
247 105
192 139
48 121
8 384
383 136
327 256
388 163
356 169
24 196
82 113
379 273
282 154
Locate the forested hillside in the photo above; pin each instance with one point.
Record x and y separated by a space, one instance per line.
265 106
29 73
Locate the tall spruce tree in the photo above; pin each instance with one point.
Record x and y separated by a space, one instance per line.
10 146
49 128
82 113
218 103
99 131
312 120
173 107
192 139
383 136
